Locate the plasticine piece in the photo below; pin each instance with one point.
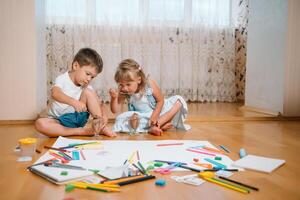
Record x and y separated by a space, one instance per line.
196 160
150 167
64 173
160 182
158 164
69 188
218 158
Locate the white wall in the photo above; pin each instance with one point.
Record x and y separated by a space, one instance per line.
291 105
273 61
22 63
266 54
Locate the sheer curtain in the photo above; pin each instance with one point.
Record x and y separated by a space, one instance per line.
187 46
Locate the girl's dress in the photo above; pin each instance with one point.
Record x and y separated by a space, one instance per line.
143 105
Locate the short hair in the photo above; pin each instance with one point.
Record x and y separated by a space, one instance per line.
88 56
128 70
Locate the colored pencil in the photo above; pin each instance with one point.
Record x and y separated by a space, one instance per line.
224 148
169 144
201 152
239 183
82 155
140 170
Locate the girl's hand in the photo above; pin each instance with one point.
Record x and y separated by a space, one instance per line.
113 93
79 106
153 121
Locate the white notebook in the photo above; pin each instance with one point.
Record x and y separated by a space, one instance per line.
54 174
259 163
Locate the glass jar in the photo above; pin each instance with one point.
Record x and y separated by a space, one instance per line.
27 149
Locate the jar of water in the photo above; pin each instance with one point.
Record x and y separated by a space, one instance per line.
27 149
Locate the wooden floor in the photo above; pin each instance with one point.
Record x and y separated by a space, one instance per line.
218 123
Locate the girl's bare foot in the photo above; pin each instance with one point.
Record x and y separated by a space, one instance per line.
167 126
107 132
154 130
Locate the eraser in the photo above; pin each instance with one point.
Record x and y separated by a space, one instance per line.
160 182
242 153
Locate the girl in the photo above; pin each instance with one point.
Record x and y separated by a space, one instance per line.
146 101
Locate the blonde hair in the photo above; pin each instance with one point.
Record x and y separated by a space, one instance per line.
128 70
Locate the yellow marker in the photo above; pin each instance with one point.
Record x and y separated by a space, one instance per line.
99 184
87 186
208 176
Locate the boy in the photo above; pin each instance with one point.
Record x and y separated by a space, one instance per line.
74 100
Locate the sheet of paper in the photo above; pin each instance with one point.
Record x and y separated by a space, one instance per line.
114 153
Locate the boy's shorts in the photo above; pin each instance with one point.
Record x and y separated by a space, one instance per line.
74 120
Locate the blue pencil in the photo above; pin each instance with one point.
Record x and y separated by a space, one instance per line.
224 148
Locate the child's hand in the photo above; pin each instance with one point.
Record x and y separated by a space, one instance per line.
79 106
113 93
153 121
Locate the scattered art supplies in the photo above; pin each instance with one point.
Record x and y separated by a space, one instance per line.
259 163
106 161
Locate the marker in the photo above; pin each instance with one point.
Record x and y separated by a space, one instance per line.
209 176
136 180
57 149
169 162
215 163
118 180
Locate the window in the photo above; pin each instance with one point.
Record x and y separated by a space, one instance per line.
136 12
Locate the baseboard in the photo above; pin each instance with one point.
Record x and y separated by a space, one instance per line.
259 110
16 122
29 122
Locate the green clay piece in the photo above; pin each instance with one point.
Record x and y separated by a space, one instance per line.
64 173
150 167
158 164
218 158
69 188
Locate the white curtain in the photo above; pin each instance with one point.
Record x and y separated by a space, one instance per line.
187 46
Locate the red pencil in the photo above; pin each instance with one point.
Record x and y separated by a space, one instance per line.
169 144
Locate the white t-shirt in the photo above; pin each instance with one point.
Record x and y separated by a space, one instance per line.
67 86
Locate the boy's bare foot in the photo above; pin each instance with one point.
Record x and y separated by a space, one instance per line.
85 131
154 130
107 132
98 124
167 126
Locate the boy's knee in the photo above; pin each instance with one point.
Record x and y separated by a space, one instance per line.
39 124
